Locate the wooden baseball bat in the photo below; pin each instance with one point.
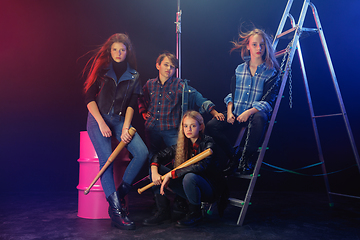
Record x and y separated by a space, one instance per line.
189 162
111 158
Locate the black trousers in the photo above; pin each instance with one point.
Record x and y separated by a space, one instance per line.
225 134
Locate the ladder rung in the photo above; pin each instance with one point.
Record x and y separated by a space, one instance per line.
236 202
329 115
280 53
311 30
305 32
239 175
291 30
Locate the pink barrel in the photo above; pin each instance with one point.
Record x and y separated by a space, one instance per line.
94 204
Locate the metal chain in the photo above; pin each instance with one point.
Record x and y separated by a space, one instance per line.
285 57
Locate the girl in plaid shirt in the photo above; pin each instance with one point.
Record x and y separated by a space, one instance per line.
254 89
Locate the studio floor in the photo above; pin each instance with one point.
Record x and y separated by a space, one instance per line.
272 215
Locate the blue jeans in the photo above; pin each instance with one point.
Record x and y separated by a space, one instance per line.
156 138
103 149
191 186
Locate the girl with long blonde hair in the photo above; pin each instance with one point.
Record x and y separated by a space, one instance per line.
198 182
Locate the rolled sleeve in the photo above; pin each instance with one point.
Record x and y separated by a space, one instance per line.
228 99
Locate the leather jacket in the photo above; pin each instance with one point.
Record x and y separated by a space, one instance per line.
109 93
207 168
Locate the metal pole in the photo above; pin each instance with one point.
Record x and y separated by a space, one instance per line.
178 39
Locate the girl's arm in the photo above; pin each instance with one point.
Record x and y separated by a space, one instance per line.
246 114
94 110
230 115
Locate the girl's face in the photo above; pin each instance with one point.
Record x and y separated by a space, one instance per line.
191 128
166 69
118 52
256 46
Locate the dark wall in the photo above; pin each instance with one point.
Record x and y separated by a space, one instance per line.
42 110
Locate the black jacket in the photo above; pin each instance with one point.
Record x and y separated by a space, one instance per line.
208 168
108 93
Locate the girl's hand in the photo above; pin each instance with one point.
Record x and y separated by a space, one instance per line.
244 116
125 136
230 118
105 130
165 183
156 178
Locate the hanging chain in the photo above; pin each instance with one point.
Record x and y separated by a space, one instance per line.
285 57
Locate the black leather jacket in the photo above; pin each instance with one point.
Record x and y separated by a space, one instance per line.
108 93
208 168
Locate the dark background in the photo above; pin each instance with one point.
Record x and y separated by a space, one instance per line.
42 109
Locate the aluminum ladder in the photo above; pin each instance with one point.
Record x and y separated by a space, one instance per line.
296 31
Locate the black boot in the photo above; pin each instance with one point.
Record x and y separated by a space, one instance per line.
246 166
180 208
233 163
192 218
163 213
123 190
119 219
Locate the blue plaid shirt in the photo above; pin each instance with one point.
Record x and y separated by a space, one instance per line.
249 89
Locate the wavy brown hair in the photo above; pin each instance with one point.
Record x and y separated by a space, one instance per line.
243 41
103 57
182 149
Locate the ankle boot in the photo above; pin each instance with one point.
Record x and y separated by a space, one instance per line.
118 217
180 208
232 164
123 190
192 218
163 213
246 166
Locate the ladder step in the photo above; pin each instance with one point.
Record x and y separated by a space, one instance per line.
238 175
284 34
236 202
289 34
329 115
280 53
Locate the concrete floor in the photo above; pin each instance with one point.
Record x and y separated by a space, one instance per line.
272 215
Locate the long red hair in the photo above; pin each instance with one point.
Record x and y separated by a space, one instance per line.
103 58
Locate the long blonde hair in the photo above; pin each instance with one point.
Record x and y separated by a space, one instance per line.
243 40
182 149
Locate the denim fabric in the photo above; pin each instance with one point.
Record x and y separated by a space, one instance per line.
102 146
157 138
191 187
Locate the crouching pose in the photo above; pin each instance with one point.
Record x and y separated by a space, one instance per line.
200 182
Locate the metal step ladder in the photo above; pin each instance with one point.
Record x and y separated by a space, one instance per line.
295 33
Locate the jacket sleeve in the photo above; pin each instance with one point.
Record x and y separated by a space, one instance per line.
271 90
196 98
164 156
90 94
135 94
198 167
